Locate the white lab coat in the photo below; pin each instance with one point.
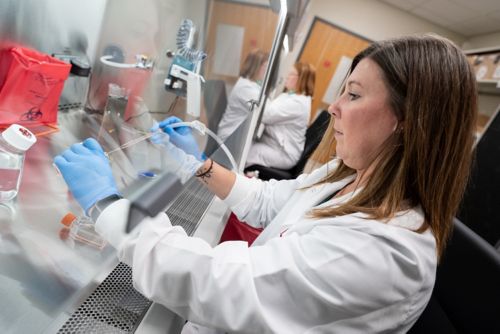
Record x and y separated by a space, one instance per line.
285 122
238 106
343 274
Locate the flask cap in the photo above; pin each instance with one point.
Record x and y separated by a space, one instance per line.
68 219
19 137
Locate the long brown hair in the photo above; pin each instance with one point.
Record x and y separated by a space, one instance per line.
252 64
427 160
306 79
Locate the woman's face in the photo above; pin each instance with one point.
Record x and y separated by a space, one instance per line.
291 79
363 116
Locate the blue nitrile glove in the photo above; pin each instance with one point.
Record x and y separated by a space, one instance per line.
182 161
181 137
87 172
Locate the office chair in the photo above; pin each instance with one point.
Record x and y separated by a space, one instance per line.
314 134
466 296
215 99
479 208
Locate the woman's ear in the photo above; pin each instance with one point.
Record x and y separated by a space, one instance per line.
398 127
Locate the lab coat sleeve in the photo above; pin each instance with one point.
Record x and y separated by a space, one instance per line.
296 282
112 222
284 110
245 94
257 202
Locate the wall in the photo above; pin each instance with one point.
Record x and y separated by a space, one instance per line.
488 103
482 41
371 19
258 24
376 20
252 2
51 25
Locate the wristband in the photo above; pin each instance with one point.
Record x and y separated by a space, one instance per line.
206 173
99 206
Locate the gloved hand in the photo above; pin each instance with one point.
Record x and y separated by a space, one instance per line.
87 172
182 156
180 137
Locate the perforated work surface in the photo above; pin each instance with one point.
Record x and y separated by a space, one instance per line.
188 208
115 306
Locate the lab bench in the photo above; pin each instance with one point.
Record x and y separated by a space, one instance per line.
50 283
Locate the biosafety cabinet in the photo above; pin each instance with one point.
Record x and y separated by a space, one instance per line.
132 63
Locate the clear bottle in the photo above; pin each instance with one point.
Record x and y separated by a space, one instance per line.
14 142
82 229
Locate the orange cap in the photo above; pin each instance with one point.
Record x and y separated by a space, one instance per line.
68 219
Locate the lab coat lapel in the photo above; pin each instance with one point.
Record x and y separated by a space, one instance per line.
299 204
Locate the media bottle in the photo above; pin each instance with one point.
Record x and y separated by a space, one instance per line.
14 142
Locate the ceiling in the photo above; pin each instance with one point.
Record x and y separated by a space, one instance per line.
465 17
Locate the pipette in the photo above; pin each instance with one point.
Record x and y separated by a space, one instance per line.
200 127
148 135
131 142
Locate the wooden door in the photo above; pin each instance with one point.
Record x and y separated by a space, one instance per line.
259 24
324 47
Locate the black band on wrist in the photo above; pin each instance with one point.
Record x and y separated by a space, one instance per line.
208 171
99 206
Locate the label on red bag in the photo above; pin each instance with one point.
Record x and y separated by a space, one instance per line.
32 86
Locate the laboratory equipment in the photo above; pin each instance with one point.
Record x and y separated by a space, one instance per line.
150 197
14 142
142 62
117 101
76 86
200 127
114 111
183 76
130 143
82 229
79 79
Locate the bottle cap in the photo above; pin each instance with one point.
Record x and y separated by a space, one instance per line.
68 219
19 137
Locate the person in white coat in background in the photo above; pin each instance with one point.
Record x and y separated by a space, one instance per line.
285 120
350 248
246 90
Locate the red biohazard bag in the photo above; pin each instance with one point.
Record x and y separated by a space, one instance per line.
238 230
30 85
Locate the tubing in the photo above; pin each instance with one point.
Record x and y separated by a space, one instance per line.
200 127
107 60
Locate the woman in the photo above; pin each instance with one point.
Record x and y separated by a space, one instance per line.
246 89
350 248
285 121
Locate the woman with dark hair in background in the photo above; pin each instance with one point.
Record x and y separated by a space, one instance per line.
246 89
285 121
